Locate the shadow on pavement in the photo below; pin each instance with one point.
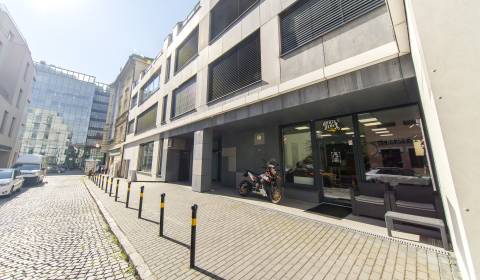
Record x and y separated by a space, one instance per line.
207 273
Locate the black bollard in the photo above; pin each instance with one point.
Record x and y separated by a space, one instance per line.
106 185
116 190
128 194
193 235
101 182
162 212
111 186
140 204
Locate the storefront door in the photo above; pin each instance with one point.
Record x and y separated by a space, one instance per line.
335 148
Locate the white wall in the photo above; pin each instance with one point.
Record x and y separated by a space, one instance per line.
445 45
15 76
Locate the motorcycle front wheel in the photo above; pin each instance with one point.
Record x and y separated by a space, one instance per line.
244 188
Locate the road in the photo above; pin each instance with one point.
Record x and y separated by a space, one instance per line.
55 231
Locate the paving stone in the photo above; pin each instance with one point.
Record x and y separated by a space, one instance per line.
238 240
55 231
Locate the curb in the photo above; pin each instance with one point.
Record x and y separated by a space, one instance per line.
142 269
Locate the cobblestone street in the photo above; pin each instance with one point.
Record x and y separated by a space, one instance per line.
55 231
239 240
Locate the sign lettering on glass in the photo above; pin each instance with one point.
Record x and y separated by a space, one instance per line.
330 125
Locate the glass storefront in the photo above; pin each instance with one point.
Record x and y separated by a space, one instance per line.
393 147
380 146
335 138
297 155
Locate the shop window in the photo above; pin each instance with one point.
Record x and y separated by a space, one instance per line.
297 155
393 146
145 157
187 51
147 120
236 69
308 20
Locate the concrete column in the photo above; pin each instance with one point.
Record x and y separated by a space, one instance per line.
202 160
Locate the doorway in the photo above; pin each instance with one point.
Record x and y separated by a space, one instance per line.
335 148
184 166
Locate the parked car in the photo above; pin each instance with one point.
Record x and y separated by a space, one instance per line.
53 169
395 176
32 167
10 181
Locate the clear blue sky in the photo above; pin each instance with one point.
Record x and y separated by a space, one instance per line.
96 37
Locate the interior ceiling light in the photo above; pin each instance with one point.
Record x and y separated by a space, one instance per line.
368 120
345 128
349 133
372 123
379 129
382 132
385 135
326 135
302 127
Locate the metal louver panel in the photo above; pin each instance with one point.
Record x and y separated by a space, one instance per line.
310 19
184 98
187 50
225 13
238 68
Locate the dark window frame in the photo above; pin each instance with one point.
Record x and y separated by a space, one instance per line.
154 106
298 5
141 157
212 38
178 68
173 102
134 101
168 69
131 124
156 75
164 109
226 55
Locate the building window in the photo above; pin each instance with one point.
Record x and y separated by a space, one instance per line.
145 157
237 69
167 69
308 20
20 95
147 120
160 156
164 109
187 51
150 87
225 13
4 121
393 146
134 101
183 98
12 126
131 126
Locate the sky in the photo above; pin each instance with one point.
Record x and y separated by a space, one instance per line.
95 37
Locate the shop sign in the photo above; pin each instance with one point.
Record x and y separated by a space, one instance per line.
330 125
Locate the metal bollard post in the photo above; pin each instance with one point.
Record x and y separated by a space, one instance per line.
162 212
106 184
116 190
128 194
140 204
101 182
193 235
111 186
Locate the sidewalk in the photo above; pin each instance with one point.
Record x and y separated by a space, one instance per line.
238 240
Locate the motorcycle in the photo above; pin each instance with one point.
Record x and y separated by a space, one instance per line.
267 184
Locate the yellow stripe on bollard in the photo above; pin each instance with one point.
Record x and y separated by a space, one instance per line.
162 205
194 222
141 194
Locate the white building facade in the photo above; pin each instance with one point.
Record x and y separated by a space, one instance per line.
16 79
338 93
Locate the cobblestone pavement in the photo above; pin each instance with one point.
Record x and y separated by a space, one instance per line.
237 240
55 231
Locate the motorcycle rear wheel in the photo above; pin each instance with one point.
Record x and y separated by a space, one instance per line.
244 188
276 195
